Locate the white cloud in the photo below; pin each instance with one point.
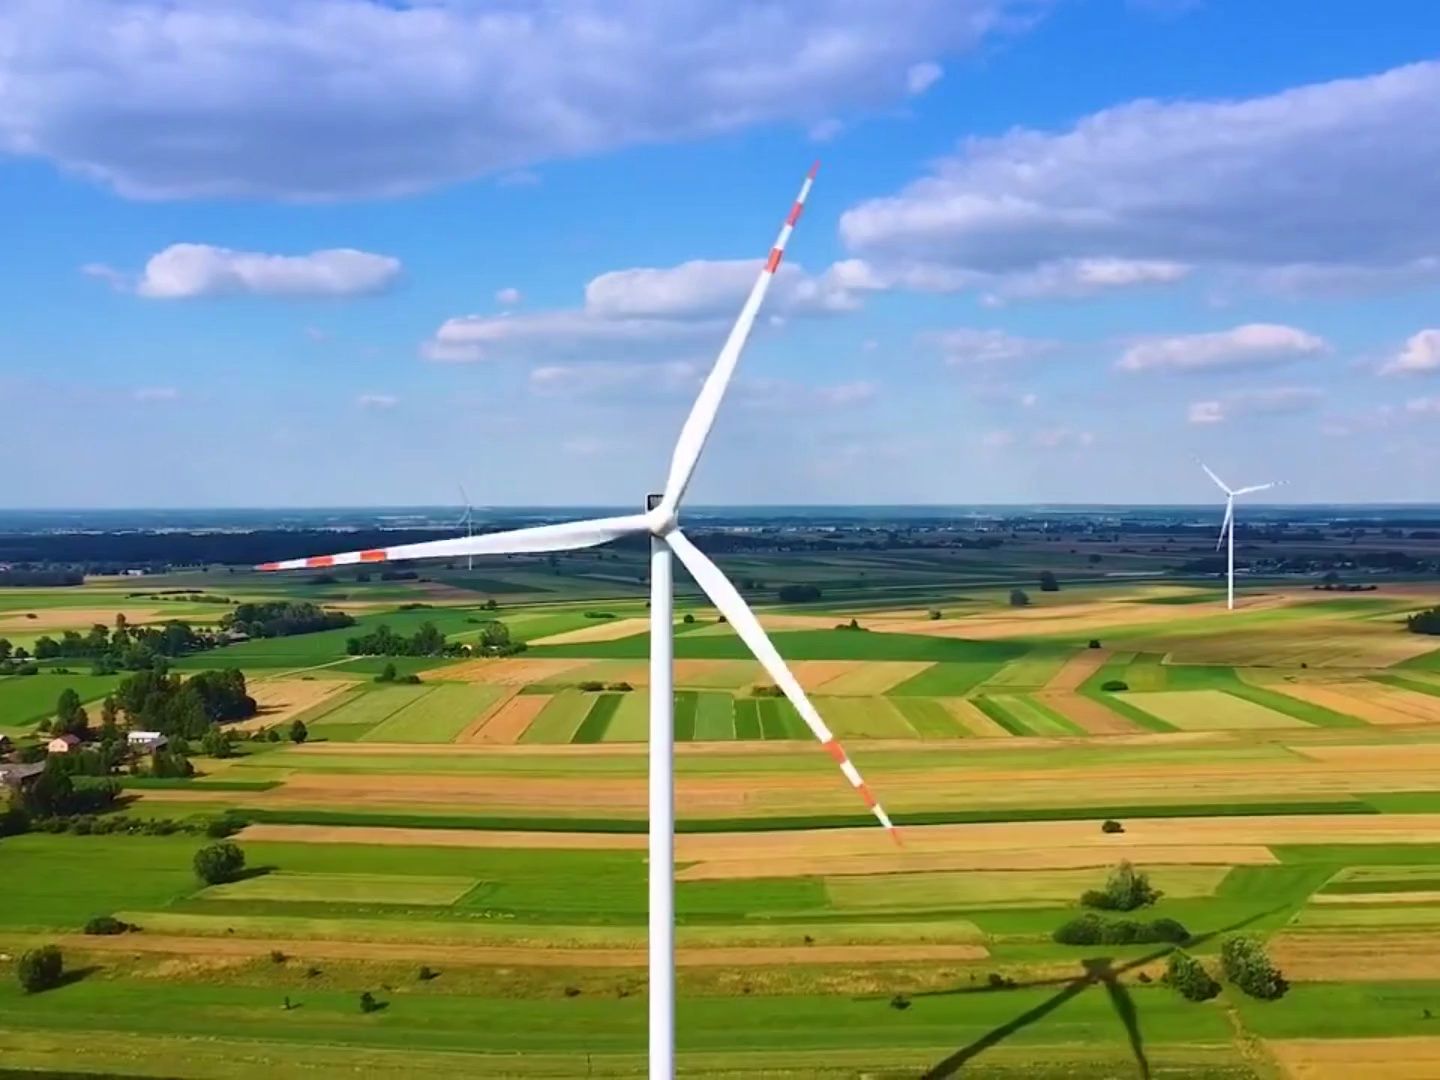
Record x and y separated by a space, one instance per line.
377 401
1029 401
1326 175
1427 405
187 271
651 307
1072 278
997 440
600 378
315 334
922 76
108 274
585 446
1272 400
1249 346
966 346
155 393
1063 438
508 297
1420 354
314 99
825 130
850 393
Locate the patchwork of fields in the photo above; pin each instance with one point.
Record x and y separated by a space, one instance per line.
1275 771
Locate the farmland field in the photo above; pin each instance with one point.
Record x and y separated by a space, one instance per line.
470 848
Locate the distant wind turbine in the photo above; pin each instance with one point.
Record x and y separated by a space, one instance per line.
1227 527
468 520
659 522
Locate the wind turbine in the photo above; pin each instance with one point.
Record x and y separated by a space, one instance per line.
468 520
1227 527
659 522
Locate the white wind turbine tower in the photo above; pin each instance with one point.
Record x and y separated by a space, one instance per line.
1227 528
468 520
659 522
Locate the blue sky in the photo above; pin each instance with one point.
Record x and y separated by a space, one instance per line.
327 252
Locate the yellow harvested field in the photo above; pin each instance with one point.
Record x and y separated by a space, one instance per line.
1375 954
1077 669
875 677
508 671
1092 716
1428 896
969 716
68 618
717 674
906 862
1361 700
473 729
1149 833
507 723
1334 645
461 953
1059 619
814 674
601 630
281 700
465 838
1210 710
770 620
1415 1057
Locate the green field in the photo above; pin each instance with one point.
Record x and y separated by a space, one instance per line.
812 946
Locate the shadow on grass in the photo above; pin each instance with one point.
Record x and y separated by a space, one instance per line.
251 872
75 975
1099 970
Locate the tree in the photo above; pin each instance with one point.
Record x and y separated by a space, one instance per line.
52 790
368 1004
1246 964
70 718
1048 582
1125 890
1424 622
219 863
217 744
1189 977
223 696
109 713
387 673
40 969
689 618
1019 598
797 594
299 732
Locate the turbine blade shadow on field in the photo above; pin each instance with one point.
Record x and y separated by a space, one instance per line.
1099 970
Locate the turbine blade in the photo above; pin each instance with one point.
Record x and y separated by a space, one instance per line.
1255 487
564 537
1228 523
702 414
1218 482
730 603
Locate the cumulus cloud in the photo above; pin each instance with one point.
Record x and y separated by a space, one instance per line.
1272 400
315 99
624 379
377 401
969 347
188 271
1074 278
922 76
651 307
1421 354
1320 176
1250 346
850 393
508 297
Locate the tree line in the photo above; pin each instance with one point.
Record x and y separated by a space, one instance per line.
283 618
1424 622
493 640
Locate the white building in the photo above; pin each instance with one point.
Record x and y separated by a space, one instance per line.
146 740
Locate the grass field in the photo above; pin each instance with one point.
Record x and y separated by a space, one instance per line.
1298 803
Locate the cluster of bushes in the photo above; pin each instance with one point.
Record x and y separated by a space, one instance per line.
120 824
1125 890
40 969
766 690
283 618
591 686
388 674
157 701
1189 977
1091 929
599 615
494 640
219 863
1424 622
1114 686
853 624
1246 964
796 594
107 925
